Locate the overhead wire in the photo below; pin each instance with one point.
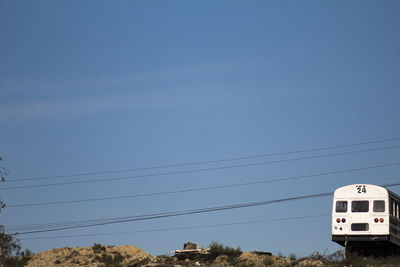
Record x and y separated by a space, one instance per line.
180 228
49 227
109 221
204 162
201 169
203 188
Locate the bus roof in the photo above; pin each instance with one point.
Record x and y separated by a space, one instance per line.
361 191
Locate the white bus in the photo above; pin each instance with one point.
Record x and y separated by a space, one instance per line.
365 220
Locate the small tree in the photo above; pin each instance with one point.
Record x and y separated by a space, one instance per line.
217 249
9 245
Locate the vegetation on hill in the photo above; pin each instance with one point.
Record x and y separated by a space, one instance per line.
95 256
98 255
128 256
10 249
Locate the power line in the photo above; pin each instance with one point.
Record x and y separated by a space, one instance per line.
204 162
108 221
181 228
203 169
174 213
203 188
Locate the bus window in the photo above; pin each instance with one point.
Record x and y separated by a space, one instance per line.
398 214
341 206
360 206
379 206
391 209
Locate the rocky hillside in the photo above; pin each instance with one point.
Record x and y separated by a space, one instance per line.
94 256
129 256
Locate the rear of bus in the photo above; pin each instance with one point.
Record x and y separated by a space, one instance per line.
360 214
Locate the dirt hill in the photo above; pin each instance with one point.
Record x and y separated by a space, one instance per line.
95 256
129 256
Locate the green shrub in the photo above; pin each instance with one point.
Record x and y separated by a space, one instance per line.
11 254
106 260
16 261
114 260
118 257
98 248
217 249
292 256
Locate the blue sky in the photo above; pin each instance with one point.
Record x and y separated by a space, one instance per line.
88 86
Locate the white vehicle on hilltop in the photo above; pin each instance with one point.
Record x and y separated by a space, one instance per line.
365 220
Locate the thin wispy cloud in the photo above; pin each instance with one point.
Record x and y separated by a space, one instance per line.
161 100
117 80
114 98
59 107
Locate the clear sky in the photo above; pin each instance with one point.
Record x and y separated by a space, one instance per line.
89 86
